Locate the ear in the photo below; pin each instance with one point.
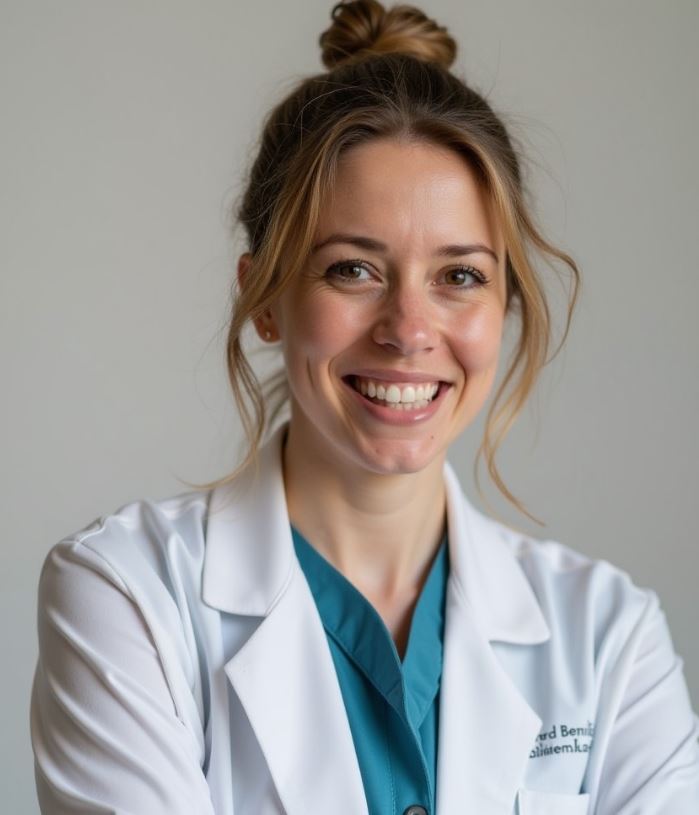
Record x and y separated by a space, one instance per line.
264 325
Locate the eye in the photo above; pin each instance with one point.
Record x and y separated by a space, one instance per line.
461 274
348 271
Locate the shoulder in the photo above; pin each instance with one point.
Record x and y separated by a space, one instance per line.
146 556
128 583
137 543
579 593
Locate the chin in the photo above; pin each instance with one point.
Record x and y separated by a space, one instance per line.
392 458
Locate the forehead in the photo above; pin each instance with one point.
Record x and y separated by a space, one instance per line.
409 190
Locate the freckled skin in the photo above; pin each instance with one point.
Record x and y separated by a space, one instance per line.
403 314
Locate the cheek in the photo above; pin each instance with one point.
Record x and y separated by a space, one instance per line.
321 326
479 340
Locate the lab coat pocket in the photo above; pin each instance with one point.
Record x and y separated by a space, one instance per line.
533 802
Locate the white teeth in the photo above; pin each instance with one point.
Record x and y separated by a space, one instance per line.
393 394
410 397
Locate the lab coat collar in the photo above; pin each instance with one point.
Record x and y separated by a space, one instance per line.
486 570
250 556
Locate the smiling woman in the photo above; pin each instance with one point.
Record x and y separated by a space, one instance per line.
334 627
364 122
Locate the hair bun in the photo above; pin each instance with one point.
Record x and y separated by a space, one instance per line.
364 27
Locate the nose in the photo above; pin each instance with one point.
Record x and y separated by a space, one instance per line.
406 322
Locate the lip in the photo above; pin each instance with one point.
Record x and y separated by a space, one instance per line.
395 376
396 417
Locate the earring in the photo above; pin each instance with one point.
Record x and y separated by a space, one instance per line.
268 334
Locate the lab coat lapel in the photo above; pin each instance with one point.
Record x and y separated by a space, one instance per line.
284 674
286 681
487 728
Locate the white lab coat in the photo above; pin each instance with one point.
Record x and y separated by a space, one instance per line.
184 670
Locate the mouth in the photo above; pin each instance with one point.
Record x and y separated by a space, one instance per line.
407 397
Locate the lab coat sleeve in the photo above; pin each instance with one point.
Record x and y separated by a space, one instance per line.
104 728
651 764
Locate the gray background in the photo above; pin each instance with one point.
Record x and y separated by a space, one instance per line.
125 129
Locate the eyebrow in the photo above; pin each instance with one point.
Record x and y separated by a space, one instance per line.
372 245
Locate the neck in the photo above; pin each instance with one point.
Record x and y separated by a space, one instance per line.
381 531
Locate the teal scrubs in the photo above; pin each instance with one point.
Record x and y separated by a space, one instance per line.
392 706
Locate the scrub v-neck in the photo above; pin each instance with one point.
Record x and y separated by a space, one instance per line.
392 705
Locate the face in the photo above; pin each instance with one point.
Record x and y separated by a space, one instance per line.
402 298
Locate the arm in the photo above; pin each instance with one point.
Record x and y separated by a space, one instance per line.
104 728
651 763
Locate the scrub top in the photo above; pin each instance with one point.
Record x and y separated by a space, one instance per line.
392 706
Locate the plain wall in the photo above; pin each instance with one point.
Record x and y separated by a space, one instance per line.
126 128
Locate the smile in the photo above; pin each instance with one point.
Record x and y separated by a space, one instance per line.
394 394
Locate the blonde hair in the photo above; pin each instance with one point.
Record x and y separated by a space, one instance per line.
387 76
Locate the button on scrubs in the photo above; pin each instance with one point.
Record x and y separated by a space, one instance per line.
392 706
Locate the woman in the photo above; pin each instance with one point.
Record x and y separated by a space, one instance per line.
334 627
